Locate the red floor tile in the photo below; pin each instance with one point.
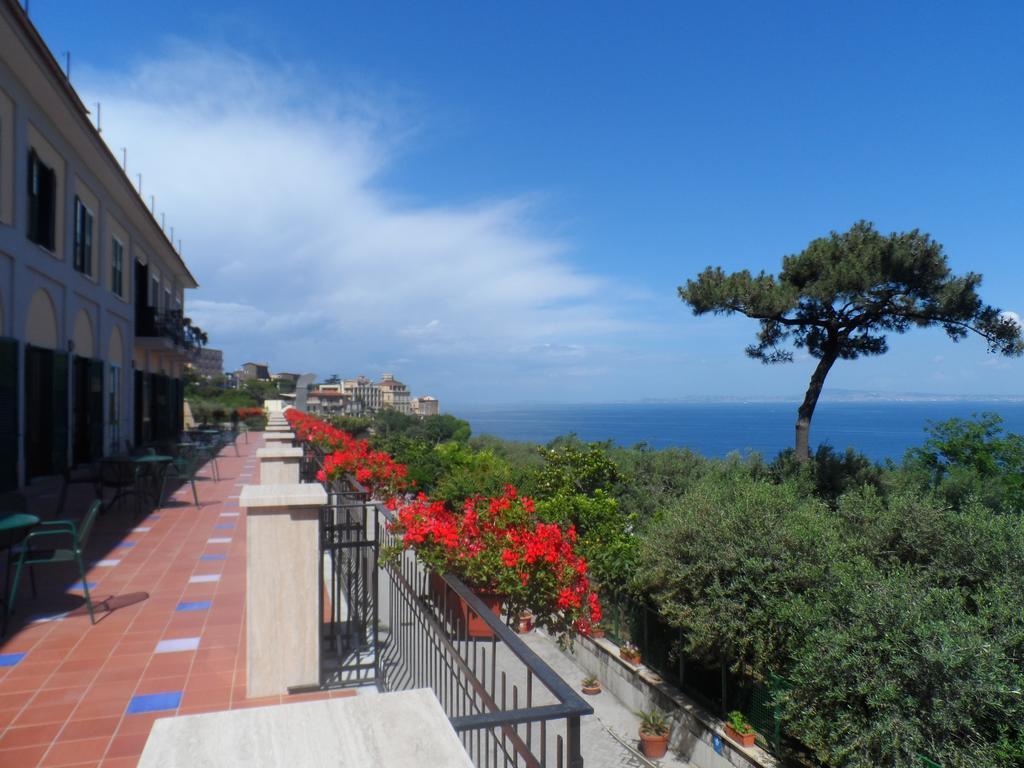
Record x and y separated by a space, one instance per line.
64 704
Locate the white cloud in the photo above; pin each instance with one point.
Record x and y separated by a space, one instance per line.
1013 316
272 182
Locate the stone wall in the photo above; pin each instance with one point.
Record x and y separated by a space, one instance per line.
694 729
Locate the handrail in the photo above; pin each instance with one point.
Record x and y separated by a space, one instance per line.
570 705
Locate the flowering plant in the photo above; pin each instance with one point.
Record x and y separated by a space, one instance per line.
346 455
499 545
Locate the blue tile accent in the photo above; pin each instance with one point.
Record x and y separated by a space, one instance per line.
78 585
224 526
197 605
212 557
126 545
10 659
154 702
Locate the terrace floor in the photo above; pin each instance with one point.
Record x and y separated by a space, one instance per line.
169 637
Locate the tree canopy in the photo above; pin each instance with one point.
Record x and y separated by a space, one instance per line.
840 296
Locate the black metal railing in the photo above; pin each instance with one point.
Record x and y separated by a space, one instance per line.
172 325
349 537
403 627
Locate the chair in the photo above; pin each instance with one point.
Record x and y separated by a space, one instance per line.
78 534
184 467
87 475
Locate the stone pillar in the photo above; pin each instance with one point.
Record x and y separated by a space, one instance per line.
279 464
281 438
282 586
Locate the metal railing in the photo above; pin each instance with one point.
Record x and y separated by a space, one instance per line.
403 627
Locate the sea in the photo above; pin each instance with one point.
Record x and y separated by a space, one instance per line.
880 429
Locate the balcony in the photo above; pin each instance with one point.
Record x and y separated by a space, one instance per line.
175 593
165 329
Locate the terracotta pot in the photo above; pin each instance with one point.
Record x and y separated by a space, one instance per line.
633 659
743 739
653 746
475 625
597 632
525 623
592 690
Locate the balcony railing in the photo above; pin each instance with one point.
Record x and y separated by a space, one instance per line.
171 325
387 625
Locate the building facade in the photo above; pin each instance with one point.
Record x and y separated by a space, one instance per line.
259 371
93 339
207 362
365 396
394 394
426 406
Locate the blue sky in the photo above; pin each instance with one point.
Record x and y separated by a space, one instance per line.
497 201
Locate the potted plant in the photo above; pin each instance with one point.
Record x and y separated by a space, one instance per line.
739 730
591 685
502 550
597 631
630 653
653 734
525 622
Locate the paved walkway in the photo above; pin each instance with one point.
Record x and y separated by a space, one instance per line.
173 642
609 736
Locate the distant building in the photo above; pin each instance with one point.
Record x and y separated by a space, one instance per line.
426 406
394 394
208 362
259 371
366 396
329 402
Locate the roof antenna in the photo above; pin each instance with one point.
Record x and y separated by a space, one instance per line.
152 204
163 221
172 235
124 159
67 65
99 121
140 185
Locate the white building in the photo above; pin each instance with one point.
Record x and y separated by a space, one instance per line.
92 293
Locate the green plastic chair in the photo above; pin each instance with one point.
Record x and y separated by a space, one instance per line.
78 534
184 467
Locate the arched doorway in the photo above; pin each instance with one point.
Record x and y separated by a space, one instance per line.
87 394
8 404
46 390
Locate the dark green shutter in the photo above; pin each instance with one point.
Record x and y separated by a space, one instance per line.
95 409
60 411
8 414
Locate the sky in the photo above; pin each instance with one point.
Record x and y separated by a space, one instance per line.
496 202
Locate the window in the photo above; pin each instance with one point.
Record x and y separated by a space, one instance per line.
117 266
154 292
83 237
42 201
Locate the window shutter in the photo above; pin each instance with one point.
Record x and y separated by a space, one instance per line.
87 243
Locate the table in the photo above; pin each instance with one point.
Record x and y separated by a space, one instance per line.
142 476
14 526
152 471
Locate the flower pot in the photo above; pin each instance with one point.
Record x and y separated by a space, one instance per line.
596 632
457 609
632 658
525 623
653 746
743 739
592 690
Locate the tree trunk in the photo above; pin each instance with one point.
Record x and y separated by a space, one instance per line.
806 410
